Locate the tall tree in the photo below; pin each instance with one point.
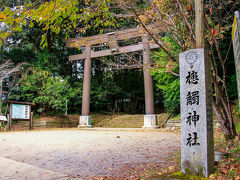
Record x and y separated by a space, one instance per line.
54 16
9 75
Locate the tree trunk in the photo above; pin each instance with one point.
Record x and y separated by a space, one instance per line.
224 116
223 111
224 123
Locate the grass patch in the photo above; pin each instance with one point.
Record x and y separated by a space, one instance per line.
238 128
106 120
176 118
125 121
187 176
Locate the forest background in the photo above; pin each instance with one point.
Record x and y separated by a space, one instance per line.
35 67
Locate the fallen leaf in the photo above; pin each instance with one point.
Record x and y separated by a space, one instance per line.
171 168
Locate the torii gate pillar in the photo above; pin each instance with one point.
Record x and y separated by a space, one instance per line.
150 119
85 119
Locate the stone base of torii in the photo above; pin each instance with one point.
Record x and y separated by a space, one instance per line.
111 39
84 122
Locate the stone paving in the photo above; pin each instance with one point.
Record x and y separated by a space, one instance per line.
82 154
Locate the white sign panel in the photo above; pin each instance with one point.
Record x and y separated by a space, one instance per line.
3 118
20 111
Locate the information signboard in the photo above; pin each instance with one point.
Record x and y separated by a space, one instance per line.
20 111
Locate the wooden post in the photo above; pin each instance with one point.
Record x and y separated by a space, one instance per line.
10 119
149 103
31 121
31 118
199 19
86 83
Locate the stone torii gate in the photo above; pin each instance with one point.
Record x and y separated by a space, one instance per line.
111 39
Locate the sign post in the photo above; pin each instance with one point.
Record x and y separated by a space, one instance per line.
20 111
236 49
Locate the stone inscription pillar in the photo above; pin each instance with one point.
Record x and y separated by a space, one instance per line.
150 119
197 149
85 119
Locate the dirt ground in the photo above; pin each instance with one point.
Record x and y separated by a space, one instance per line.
85 154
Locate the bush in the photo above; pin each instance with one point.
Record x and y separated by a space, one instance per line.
166 76
170 87
49 93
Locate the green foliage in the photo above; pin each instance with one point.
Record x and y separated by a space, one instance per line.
236 115
167 82
19 55
237 127
126 79
188 175
170 87
56 16
3 125
102 93
50 93
236 111
47 92
232 83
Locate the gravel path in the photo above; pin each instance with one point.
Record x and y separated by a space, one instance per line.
81 154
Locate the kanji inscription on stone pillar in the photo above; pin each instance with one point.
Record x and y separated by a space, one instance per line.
197 150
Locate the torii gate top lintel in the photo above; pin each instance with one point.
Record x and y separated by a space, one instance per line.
111 39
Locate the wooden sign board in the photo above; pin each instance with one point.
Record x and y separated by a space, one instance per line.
20 111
